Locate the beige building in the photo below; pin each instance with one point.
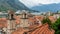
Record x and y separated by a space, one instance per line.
11 22
24 20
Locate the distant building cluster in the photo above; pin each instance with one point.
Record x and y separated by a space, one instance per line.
25 22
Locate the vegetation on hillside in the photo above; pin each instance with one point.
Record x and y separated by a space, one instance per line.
55 26
12 4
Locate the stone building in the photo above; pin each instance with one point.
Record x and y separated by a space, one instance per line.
24 20
11 22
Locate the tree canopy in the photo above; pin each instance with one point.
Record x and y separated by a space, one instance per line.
56 26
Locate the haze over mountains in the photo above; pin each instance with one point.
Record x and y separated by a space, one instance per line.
47 7
42 5
12 4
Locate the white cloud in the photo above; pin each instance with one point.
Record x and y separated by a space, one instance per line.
36 2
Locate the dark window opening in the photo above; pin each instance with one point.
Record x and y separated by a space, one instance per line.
25 33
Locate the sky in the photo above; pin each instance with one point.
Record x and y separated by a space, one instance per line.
31 3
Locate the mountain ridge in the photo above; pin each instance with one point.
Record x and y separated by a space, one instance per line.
48 7
12 4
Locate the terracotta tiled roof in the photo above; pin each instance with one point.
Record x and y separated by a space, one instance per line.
32 20
3 22
52 19
44 29
17 19
39 17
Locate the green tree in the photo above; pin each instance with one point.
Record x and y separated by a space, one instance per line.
46 20
56 26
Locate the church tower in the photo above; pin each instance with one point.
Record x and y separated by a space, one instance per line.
11 22
24 19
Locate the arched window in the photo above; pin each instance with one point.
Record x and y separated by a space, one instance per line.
12 16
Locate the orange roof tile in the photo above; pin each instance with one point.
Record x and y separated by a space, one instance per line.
32 20
17 19
52 18
44 29
3 22
39 17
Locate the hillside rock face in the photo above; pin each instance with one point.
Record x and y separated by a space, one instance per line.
12 4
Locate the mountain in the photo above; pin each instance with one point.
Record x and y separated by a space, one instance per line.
12 4
47 7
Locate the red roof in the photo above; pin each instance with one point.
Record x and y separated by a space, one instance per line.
52 19
39 17
3 22
44 29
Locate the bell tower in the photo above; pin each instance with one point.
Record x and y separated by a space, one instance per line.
11 22
24 19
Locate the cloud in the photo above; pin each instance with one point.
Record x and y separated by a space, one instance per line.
36 2
49 1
